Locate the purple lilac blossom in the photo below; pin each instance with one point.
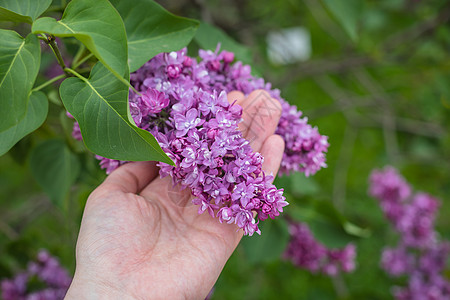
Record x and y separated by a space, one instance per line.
76 132
47 270
210 294
391 189
183 103
412 215
419 255
306 252
397 261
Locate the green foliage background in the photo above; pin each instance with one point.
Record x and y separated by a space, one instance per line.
378 84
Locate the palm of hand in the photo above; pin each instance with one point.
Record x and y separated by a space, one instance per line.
141 237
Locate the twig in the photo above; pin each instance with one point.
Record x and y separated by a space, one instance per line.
50 40
389 128
205 13
338 107
339 96
417 30
343 165
414 126
348 143
322 66
32 214
324 21
38 205
8 230
78 55
354 60
340 287
78 63
48 82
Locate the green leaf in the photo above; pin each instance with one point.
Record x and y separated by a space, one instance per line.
19 65
298 184
270 244
152 33
35 116
22 10
100 106
327 224
330 234
347 13
55 169
98 25
208 37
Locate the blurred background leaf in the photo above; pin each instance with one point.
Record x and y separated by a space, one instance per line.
55 168
347 13
34 117
268 246
208 37
157 32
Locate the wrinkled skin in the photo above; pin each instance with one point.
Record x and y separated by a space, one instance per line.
141 238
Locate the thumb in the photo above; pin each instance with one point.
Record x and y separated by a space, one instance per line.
131 177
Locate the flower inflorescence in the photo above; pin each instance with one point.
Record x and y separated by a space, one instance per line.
306 252
420 255
183 103
53 278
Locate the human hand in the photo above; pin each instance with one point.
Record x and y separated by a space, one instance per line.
141 238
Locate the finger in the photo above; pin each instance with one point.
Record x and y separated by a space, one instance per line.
235 96
238 98
272 150
131 177
261 116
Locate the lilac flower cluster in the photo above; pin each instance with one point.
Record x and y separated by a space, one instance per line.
183 103
47 270
419 254
304 146
306 252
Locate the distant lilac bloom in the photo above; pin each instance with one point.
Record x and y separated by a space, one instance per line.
391 189
340 259
306 252
422 287
411 215
397 261
417 223
433 260
48 271
15 288
419 255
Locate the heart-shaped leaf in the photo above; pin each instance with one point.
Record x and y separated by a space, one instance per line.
152 30
22 10
35 116
19 65
55 168
100 106
98 25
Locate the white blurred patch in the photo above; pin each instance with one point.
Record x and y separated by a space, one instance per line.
289 45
